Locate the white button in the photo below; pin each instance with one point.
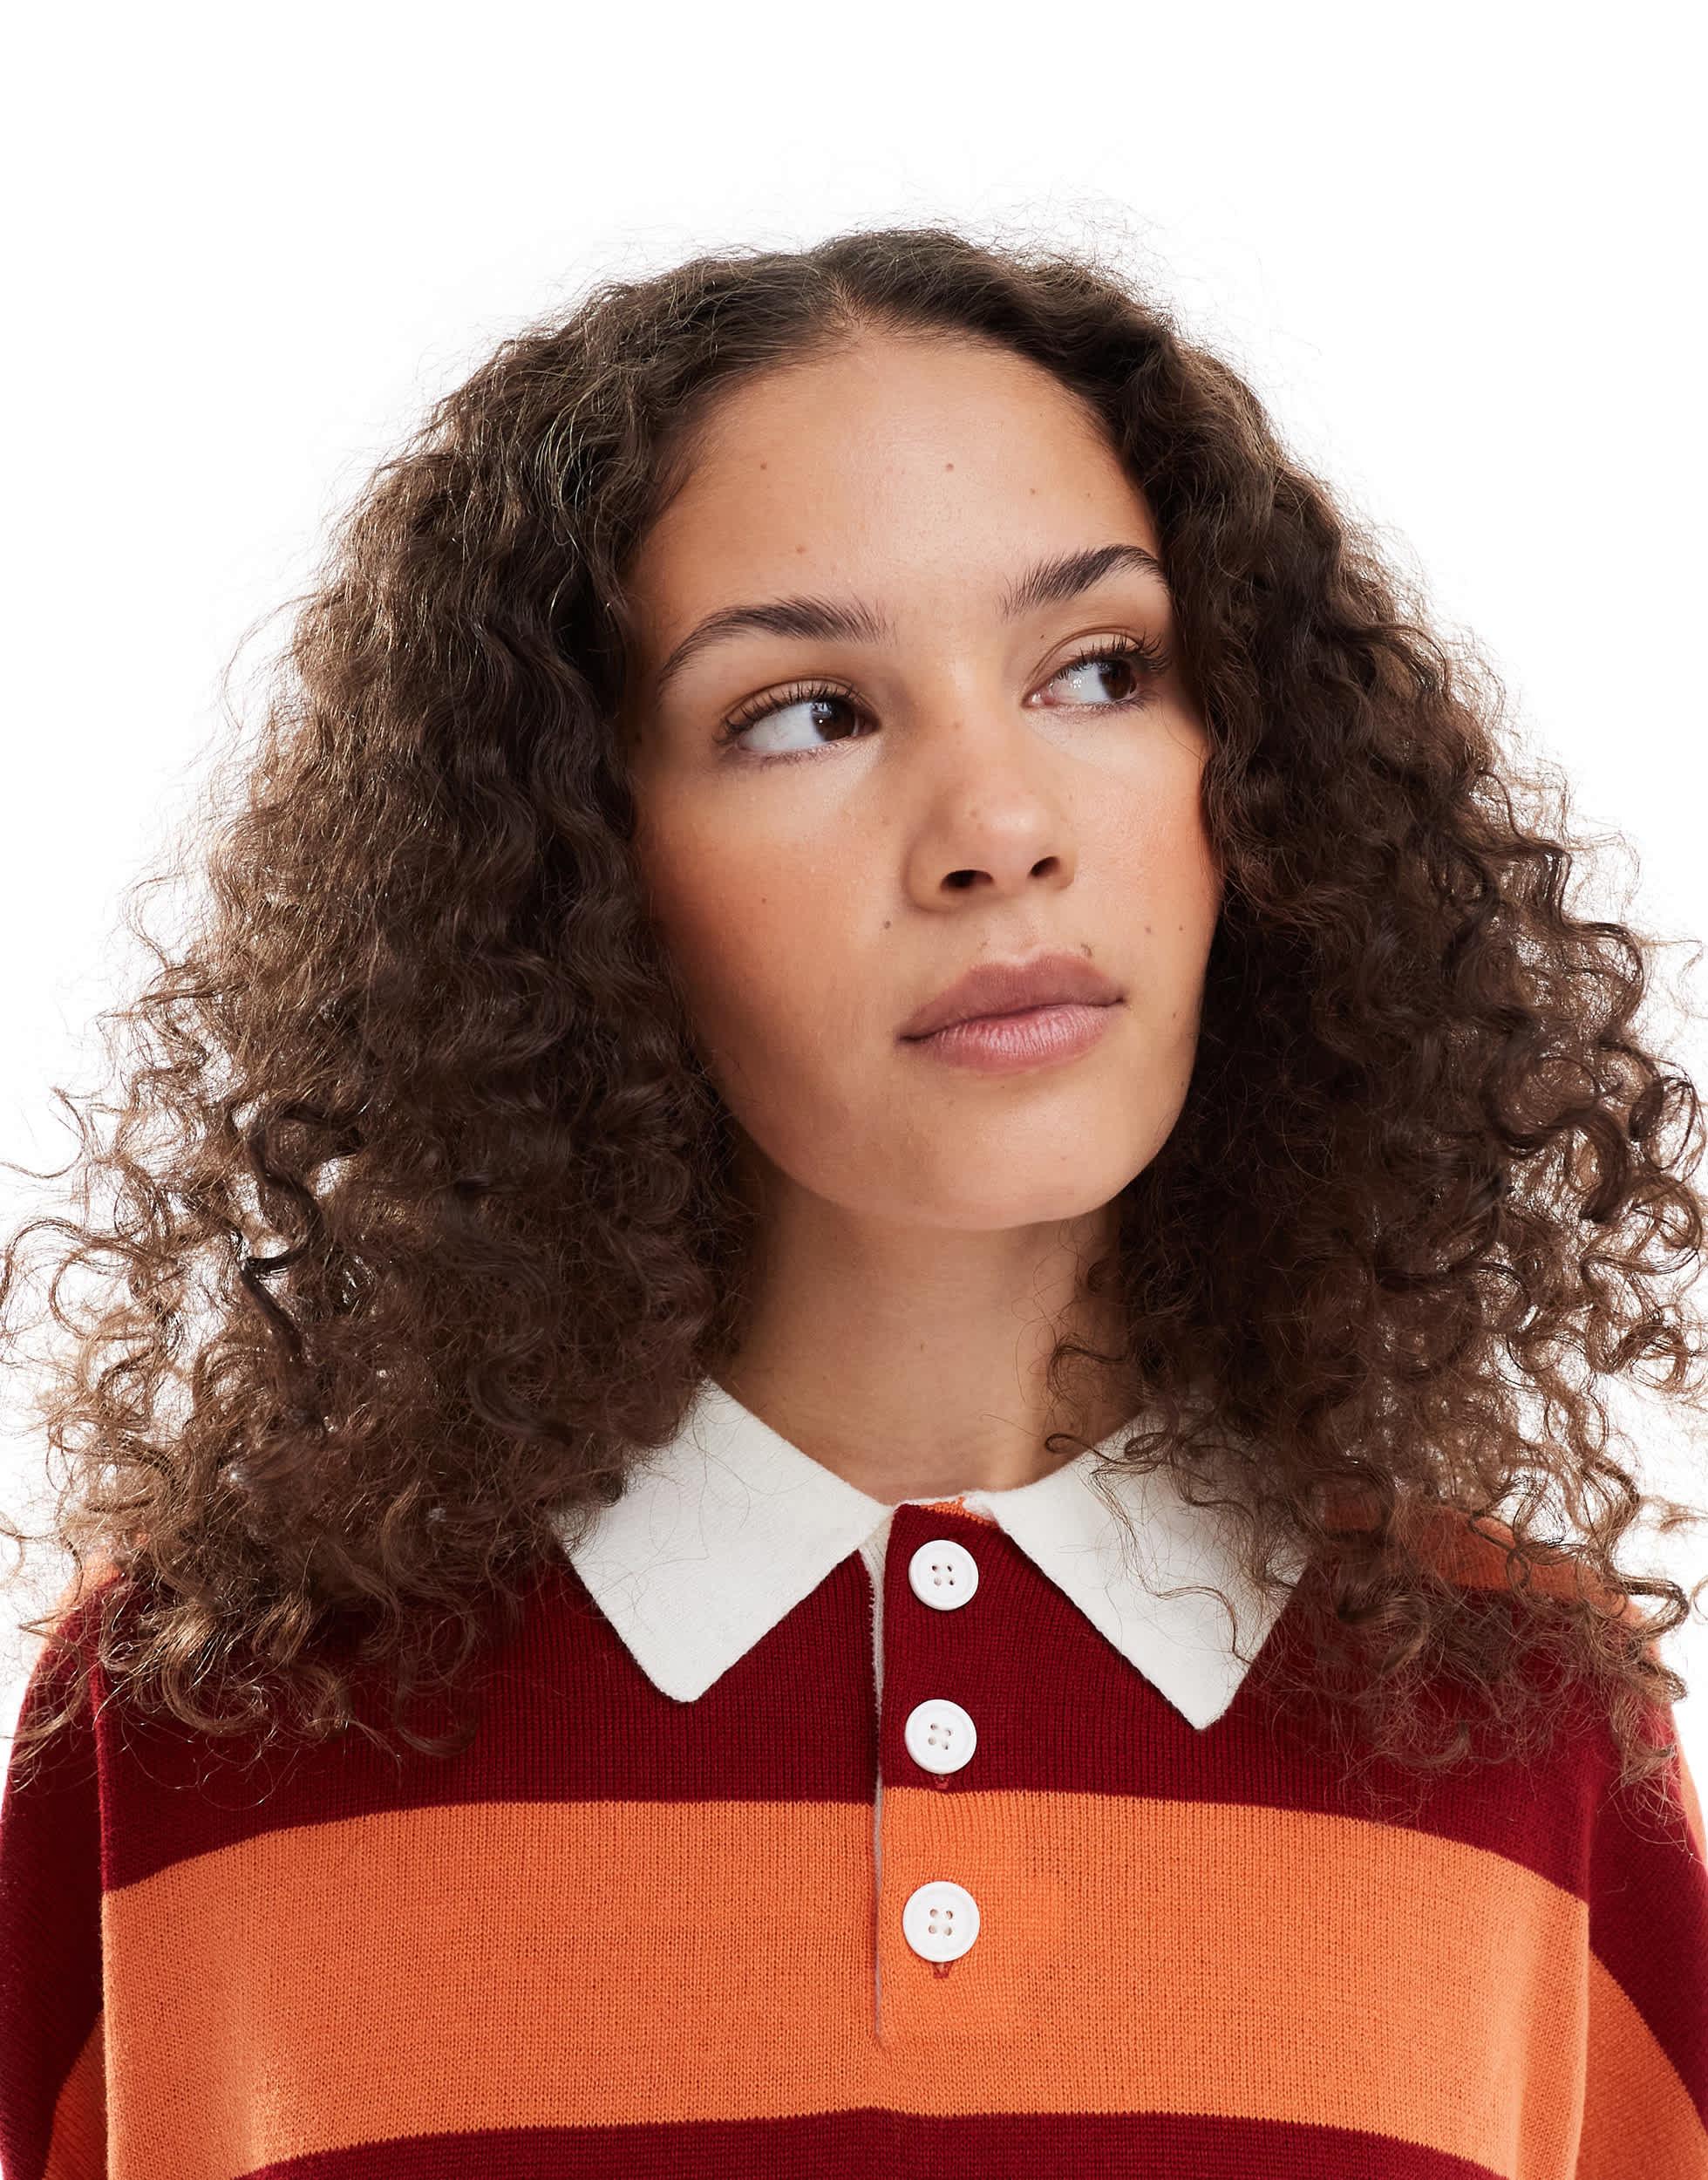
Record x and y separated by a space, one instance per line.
943 1574
940 1920
940 1735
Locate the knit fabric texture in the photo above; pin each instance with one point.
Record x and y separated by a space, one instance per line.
630 1932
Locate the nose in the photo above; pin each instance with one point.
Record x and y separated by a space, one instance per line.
984 809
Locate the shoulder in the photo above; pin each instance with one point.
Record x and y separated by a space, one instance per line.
1474 1553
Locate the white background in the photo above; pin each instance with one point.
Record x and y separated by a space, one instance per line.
1453 248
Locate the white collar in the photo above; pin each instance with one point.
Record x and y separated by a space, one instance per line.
727 1527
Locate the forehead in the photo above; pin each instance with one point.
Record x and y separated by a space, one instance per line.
893 450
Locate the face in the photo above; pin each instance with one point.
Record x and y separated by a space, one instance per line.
832 827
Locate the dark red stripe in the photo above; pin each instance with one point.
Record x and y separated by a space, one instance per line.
51 1915
571 1716
858 2145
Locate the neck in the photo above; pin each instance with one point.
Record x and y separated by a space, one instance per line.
916 1366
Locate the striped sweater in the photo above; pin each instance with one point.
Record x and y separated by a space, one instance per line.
808 1836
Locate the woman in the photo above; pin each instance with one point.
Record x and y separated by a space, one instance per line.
803 1464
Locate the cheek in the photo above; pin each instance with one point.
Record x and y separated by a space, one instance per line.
1164 876
1182 888
755 945
1148 829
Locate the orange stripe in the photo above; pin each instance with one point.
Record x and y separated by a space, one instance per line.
958 1506
507 1964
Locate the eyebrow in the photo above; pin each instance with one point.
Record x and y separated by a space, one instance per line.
1050 581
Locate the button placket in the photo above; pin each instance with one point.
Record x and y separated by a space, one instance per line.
940 1916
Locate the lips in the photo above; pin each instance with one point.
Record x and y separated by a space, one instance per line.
1009 987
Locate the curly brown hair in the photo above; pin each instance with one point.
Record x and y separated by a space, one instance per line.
424 1214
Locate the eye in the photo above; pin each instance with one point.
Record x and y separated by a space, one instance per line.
1141 661
813 697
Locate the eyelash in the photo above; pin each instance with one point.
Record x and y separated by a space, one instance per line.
1150 656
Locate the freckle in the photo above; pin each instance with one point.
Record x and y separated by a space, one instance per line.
948 464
